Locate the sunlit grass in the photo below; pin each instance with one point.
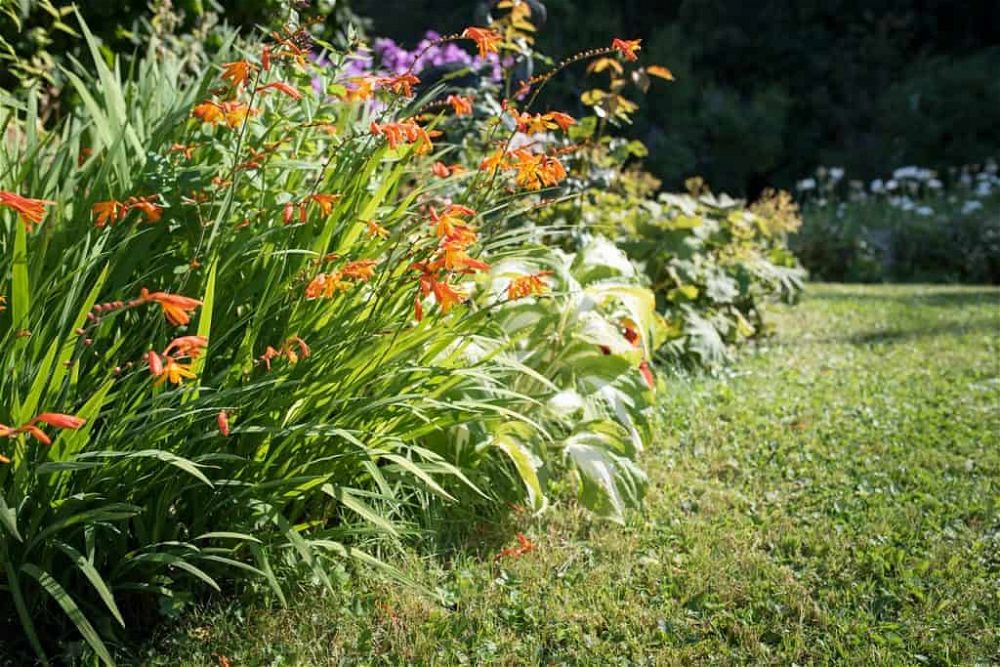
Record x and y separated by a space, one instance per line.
832 500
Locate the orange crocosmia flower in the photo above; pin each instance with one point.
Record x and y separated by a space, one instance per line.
237 72
175 307
661 72
152 211
491 163
376 230
29 211
445 223
462 106
488 41
627 47
524 545
265 58
325 202
447 295
155 363
418 308
406 131
56 419
423 144
401 84
230 113
174 372
186 150
360 88
535 171
59 420
552 171
288 46
37 433
440 170
208 112
535 124
529 285
326 285
187 346
393 132
462 236
361 269
222 420
527 166
236 113
108 211
269 353
455 258
563 120
5 460
290 349
282 87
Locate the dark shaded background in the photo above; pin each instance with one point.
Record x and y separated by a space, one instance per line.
765 91
768 90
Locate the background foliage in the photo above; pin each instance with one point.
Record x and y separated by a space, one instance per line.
765 91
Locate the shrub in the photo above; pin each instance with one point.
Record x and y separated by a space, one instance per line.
713 262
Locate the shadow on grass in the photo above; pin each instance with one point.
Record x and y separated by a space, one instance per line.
938 296
900 335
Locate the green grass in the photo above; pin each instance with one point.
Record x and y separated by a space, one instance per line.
834 499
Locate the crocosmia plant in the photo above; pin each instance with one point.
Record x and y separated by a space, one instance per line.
257 320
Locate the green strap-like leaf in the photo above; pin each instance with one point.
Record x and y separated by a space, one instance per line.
62 598
360 507
8 519
95 579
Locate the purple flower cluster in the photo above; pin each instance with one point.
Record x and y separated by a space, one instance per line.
394 59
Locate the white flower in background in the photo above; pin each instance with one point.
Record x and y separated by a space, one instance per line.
891 184
836 173
806 184
934 184
903 203
971 206
877 186
924 211
913 173
984 188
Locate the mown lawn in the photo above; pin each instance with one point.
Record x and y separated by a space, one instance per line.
836 498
